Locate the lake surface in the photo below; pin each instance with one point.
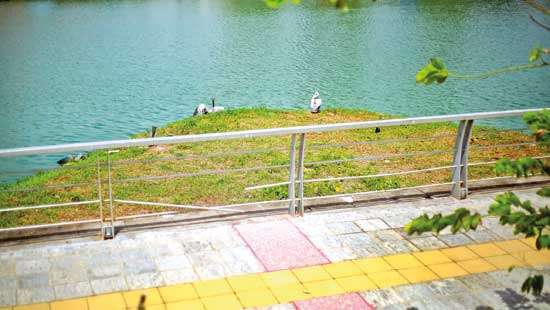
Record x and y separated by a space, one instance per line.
73 71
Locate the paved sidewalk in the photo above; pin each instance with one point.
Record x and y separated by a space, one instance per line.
42 273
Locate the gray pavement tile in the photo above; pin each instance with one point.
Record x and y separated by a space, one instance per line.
211 272
64 276
399 246
431 304
414 292
343 228
192 246
448 287
179 276
105 271
173 262
7 267
490 298
386 235
383 297
23 267
372 224
34 280
397 221
357 240
404 306
159 248
480 281
8 283
8 297
325 241
482 235
144 280
455 240
108 285
240 260
35 295
73 290
339 254
145 265
427 243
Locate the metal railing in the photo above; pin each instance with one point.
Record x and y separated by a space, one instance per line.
297 163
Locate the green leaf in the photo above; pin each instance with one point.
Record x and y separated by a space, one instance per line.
543 242
274 4
534 54
537 284
544 192
434 71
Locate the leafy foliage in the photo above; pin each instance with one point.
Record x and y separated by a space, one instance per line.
511 210
539 123
434 71
533 283
522 167
460 219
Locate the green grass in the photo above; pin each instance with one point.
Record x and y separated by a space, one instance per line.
131 164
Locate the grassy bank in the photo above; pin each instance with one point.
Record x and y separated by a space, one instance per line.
180 174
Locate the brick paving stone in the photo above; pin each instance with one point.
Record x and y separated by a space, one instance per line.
427 243
73 290
24 267
383 297
345 301
343 228
372 224
144 280
482 235
35 295
280 245
108 285
173 262
455 240
8 297
179 276
112 270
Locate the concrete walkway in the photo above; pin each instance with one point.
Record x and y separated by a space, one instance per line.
355 258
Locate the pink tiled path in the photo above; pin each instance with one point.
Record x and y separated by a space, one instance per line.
339 302
280 245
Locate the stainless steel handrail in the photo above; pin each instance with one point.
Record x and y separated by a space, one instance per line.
459 165
114 144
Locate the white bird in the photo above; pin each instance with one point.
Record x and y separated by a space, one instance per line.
315 103
200 110
214 107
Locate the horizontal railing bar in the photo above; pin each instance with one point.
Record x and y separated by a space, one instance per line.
484 147
352 177
372 158
200 173
46 187
55 205
128 217
381 141
113 144
49 225
383 190
192 156
160 204
494 161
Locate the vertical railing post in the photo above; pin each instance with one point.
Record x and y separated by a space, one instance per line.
301 155
110 232
459 187
292 176
100 195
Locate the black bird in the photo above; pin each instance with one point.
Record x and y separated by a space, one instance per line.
377 130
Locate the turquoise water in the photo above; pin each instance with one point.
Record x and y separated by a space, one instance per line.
74 71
